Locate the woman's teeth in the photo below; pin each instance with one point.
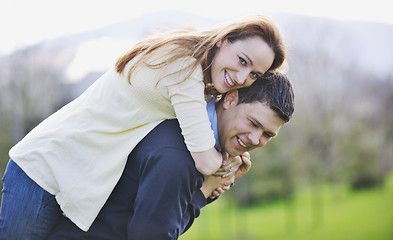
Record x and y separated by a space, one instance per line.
229 81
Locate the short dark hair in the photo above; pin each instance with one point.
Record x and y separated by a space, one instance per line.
274 89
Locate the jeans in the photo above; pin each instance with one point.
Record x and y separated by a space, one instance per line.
27 211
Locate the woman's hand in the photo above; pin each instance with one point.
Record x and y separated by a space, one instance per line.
231 164
240 171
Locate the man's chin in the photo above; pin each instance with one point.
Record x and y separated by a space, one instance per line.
235 153
233 150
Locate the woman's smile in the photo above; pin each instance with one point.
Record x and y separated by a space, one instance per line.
236 64
228 80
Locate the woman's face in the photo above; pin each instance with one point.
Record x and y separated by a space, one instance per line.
240 63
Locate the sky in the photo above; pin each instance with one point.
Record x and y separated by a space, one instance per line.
26 22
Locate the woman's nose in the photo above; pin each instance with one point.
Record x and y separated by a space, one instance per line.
242 76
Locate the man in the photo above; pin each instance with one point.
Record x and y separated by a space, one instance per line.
160 192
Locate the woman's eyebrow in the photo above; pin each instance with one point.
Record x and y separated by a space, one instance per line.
249 59
251 62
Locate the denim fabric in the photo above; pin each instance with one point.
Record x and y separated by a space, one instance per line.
27 212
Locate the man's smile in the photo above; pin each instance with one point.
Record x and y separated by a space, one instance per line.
241 143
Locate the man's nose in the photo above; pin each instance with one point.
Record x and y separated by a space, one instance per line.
256 138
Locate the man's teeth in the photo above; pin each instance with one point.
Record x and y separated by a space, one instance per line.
242 143
229 81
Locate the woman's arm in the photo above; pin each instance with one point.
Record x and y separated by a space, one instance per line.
207 162
188 101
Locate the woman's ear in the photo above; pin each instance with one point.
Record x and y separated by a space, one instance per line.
219 43
231 99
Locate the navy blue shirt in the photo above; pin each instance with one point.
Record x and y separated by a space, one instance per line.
157 197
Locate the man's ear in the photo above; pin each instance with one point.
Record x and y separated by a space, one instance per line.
231 99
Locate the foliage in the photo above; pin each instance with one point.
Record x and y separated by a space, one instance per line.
270 178
5 144
31 90
342 215
341 131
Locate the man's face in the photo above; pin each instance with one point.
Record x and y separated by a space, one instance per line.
245 126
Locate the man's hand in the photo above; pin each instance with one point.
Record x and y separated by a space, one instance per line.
218 191
245 167
213 186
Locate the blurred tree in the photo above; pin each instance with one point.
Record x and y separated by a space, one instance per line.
32 88
35 91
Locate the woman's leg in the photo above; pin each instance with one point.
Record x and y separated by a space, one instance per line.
27 211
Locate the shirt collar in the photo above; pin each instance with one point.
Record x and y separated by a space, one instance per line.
211 111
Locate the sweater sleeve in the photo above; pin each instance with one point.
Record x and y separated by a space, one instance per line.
193 211
188 100
165 189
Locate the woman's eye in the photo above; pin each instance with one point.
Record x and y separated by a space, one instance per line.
254 75
242 61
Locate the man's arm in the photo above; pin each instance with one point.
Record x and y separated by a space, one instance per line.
193 210
202 197
167 184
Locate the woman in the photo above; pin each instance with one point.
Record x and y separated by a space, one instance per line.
70 163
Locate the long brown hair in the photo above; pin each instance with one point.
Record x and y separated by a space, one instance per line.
201 45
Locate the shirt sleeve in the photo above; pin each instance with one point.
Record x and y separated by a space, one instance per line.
188 100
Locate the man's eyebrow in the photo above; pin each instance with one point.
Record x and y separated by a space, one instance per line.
249 59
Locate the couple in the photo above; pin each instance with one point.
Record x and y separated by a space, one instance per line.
160 192
72 161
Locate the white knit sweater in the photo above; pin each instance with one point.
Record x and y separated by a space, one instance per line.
78 153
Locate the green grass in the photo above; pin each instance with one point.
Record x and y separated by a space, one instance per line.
321 214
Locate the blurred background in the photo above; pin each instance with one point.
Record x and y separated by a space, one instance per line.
327 175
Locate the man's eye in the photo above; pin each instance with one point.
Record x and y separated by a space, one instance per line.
267 135
253 124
